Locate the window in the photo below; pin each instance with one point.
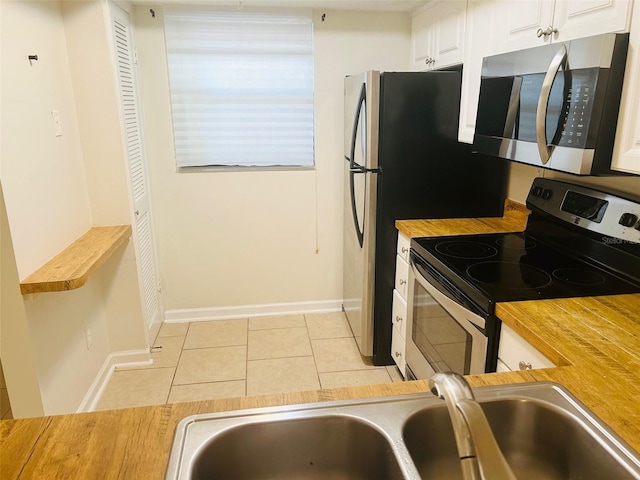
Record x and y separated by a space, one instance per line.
241 88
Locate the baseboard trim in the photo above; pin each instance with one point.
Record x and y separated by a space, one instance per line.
243 311
128 358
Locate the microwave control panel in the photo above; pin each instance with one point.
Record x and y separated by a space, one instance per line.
579 87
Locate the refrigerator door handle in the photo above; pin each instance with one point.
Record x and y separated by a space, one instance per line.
354 168
356 122
354 212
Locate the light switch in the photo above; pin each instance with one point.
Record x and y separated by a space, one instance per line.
55 115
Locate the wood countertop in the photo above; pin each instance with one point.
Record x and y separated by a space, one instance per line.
514 219
72 267
596 343
594 340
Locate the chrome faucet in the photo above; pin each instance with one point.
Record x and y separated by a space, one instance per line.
480 456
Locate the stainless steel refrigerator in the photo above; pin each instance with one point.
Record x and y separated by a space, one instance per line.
402 160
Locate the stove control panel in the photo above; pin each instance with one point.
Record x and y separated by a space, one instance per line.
616 217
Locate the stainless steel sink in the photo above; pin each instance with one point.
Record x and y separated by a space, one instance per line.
543 431
539 441
326 446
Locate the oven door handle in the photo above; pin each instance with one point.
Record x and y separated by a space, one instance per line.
446 299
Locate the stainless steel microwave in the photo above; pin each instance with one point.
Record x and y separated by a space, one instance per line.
554 106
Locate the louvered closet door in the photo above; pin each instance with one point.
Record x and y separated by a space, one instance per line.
143 228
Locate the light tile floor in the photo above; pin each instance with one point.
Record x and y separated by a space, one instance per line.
233 358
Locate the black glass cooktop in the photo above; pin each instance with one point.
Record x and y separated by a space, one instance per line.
515 266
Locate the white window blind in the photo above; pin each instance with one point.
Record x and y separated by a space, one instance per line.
241 87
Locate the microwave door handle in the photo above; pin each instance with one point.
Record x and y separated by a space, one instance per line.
541 113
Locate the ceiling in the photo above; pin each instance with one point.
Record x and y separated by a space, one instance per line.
369 5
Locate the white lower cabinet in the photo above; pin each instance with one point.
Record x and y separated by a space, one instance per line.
402 276
398 351
515 353
502 367
399 309
399 313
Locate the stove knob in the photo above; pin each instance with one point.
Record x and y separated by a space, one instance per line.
628 219
537 191
546 194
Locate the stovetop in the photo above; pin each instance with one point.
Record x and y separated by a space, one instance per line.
502 267
579 242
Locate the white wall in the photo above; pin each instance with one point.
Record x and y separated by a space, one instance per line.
43 175
98 109
56 188
247 238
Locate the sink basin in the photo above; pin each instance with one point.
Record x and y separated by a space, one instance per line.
543 431
312 448
538 440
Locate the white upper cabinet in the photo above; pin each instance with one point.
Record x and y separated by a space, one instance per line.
518 23
529 23
422 41
582 18
480 41
626 151
438 35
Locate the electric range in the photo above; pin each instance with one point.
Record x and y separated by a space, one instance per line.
578 242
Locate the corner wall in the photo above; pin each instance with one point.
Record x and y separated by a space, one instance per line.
16 348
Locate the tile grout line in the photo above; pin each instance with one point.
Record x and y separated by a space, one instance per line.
313 353
173 379
246 345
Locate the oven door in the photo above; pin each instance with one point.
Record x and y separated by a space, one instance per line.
443 334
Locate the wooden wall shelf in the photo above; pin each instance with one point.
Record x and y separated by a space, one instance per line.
72 267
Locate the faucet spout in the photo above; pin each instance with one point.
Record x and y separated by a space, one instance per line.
480 456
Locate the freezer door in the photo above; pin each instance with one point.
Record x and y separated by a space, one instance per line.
361 123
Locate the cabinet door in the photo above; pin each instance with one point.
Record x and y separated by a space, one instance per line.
399 313
422 41
626 151
480 41
398 350
517 354
402 276
583 18
519 20
143 236
404 243
448 32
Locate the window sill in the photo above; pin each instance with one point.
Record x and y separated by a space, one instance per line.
229 168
